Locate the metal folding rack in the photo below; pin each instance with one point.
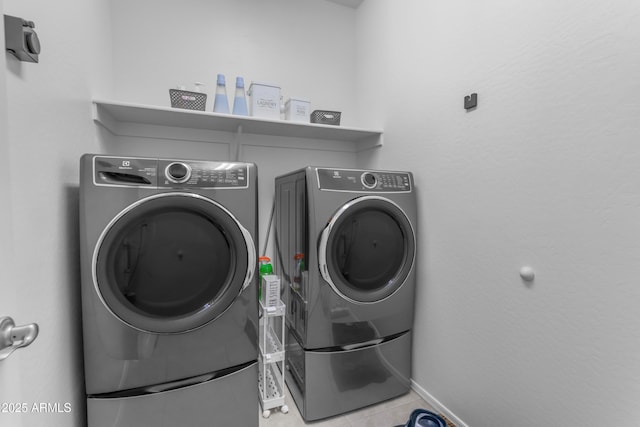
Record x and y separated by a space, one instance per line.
271 376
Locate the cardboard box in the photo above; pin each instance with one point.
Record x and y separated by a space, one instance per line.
270 294
264 100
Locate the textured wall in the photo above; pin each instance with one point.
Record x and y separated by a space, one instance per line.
49 127
543 173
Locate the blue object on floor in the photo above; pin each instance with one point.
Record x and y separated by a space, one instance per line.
424 418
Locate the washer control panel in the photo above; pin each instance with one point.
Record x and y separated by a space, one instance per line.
200 174
161 173
358 180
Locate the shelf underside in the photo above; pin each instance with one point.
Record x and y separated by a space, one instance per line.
115 116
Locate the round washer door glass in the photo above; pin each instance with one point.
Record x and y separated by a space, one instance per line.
368 249
172 262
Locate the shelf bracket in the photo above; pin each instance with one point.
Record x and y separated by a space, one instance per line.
104 119
369 143
234 151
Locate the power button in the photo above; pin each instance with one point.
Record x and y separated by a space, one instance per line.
369 180
178 172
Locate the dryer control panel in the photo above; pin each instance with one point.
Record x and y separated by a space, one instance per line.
358 180
166 173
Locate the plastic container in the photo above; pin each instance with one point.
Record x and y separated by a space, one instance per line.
220 102
265 266
424 418
239 100
190 100
264 269
297 276
326 117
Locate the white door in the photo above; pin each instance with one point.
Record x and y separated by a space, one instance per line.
10 388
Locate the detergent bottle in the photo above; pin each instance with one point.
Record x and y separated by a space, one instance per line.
265 268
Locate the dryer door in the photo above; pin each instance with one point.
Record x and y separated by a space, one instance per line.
172 262
367 250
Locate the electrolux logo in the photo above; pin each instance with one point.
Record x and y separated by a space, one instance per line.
126 164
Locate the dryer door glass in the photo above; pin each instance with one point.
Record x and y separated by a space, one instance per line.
171 263
370 249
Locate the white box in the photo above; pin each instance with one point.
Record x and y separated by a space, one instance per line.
264 100
297 110
270 294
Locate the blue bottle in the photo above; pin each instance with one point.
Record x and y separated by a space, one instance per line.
240 101
220 103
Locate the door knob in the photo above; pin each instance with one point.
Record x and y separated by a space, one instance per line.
13 337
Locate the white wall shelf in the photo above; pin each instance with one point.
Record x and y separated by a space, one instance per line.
116 117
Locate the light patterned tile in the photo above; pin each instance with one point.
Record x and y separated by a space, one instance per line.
293 419
339 421
279 419
411 397
395 416
385 414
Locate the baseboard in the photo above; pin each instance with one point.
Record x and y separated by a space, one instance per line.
435 403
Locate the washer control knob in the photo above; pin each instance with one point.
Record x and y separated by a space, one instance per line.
178 172
369 180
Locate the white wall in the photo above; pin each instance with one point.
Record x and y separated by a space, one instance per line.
5 174
10 386
46 117
305 46
543 173
49 127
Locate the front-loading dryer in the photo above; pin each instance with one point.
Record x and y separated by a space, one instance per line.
168 260
345 250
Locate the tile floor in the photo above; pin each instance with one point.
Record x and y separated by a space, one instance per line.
390 413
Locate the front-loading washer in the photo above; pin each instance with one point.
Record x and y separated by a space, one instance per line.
169 300
345 250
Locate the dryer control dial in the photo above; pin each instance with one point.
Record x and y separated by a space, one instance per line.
369 180
178 172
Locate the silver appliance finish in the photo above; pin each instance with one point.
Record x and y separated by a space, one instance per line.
346 246
212 402
169 297
13 337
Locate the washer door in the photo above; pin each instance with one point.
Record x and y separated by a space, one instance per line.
172 262
367 250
